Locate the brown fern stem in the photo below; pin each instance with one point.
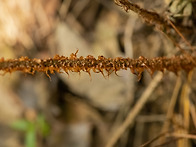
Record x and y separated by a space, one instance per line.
150 17
99 65
161 23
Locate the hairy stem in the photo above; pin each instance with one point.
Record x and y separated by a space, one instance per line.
98 65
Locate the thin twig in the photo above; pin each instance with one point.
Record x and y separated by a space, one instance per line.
185 109
150 17
179 135
193 113
152 140
180 34
167 142
172 105
176 136
161 23
136 109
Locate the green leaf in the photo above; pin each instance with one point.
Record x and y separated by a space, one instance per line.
21 125
42 125
30 138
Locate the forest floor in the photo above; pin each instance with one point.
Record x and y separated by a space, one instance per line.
78 110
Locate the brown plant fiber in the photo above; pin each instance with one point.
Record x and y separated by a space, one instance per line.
76 64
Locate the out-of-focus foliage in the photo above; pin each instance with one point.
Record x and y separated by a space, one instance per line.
31 129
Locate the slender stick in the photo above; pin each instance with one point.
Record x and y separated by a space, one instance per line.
136 109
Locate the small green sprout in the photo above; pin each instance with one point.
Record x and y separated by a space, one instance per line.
32 129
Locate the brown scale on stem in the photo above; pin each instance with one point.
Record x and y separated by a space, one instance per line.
150 17
98 65
163 24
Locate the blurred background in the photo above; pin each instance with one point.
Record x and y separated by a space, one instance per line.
82 111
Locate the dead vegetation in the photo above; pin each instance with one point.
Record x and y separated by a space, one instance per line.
87 64
118 110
